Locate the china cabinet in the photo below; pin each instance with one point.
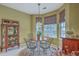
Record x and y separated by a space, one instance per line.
9 34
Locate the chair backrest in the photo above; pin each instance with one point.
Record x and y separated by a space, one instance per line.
25 40
27 43
44 44
30 43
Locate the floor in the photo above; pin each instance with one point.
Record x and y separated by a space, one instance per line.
15 51
12 52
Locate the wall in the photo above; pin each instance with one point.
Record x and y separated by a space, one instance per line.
74 17
24 20
33 25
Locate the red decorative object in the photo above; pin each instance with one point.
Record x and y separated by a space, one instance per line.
70 44
9 34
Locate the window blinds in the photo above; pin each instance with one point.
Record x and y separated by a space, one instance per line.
38 19
50 19
62 16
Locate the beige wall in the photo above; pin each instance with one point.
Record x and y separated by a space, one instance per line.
74 17
24 20
33 25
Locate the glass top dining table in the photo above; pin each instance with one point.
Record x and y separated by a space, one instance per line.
42 50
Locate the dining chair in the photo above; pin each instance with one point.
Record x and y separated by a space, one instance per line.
44 45
31 45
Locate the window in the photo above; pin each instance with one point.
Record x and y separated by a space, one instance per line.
50 27
39 27
62 24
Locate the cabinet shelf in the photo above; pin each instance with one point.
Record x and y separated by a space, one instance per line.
12 35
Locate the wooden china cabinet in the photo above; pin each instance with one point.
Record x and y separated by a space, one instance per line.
9 34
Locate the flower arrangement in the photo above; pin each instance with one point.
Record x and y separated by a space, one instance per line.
70 33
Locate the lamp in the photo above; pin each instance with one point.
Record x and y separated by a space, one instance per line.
38 30
39 9
39 23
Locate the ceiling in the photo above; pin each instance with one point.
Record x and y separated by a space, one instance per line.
32 8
